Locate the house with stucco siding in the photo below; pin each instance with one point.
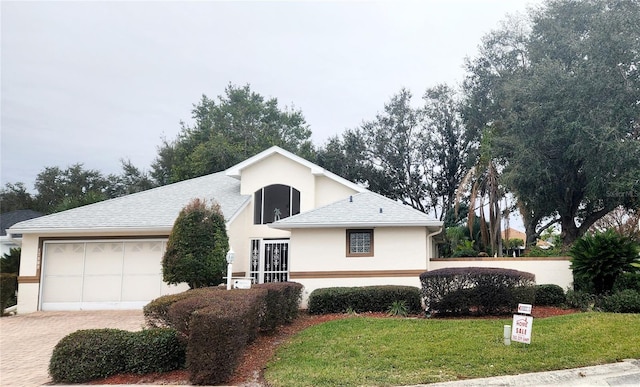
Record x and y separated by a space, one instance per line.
287 219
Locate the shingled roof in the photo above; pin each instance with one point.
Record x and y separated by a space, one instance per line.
366 209
152 210
8 219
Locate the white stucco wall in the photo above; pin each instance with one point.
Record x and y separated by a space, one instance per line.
329 191
325 250
277 169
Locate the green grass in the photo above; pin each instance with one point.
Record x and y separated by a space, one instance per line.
361 351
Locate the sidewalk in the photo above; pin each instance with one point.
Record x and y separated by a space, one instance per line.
625 373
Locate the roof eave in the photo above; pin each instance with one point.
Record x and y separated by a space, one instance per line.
77 230
352 225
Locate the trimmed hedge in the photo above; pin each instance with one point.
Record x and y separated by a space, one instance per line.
217 324
154 350
550 295
479 290
219 335
156 313
98 353
363 299
282 303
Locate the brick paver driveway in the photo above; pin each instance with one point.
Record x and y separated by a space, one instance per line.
27 341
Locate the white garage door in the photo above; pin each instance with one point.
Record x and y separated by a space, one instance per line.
102 275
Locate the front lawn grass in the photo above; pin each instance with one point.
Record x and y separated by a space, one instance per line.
363 351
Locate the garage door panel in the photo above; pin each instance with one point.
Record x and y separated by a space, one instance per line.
141 287
104 259
64 259
62 289
143 258
101 288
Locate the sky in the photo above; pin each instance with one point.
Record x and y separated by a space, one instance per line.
97 82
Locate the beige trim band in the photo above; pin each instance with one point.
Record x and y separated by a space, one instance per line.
29 279
354 274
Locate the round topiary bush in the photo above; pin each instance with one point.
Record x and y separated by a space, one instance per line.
550 295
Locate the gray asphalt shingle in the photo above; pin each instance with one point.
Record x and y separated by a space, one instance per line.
366 209
156 208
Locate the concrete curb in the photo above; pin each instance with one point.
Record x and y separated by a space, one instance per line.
625 373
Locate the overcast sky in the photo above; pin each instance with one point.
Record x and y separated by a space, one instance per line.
95 82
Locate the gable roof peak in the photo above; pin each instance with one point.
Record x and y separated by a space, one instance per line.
236 170
316 170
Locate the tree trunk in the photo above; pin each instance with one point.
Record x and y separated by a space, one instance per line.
569 233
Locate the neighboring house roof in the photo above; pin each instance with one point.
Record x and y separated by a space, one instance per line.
152 210
366 209
236 170
512 233
8 219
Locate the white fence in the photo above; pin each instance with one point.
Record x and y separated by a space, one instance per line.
548 270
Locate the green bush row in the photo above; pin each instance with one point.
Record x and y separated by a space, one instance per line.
363 299
624 301
216 324
98 353
482 291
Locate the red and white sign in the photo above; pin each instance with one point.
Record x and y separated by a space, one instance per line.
521 328
524 308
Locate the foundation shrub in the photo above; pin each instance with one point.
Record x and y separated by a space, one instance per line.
550 295
482 291
624 301
363 299
282 303
8 287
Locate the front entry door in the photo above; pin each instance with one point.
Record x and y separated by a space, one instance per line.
270 262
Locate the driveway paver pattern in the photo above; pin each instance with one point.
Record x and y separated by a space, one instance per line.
27 341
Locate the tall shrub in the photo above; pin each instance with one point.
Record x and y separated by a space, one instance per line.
483 290
197 246
598 259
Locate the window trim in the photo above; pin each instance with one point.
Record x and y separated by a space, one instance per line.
348 242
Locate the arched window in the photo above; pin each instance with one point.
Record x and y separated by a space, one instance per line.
275 202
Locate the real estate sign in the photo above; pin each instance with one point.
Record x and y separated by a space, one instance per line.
521 328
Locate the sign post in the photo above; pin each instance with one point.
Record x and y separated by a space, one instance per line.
522 325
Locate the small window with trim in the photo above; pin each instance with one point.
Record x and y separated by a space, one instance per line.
360 243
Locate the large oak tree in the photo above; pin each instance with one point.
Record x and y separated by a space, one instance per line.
562 97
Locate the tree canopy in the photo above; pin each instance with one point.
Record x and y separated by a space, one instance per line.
562 98
228 130
415 154
59 189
